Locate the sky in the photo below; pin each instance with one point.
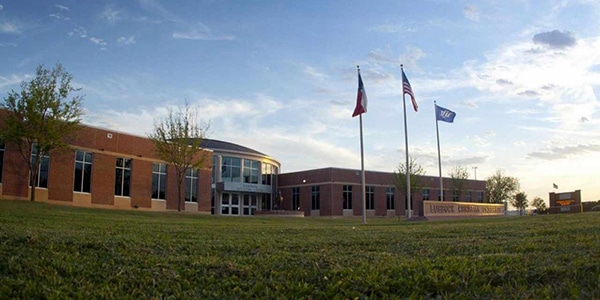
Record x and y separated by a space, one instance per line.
280 77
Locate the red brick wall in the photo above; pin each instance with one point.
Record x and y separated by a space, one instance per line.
380 201
204 189
141 183
337 199
61 175
172 187
103 179
15 176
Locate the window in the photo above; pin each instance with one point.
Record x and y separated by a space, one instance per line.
231 169
347 197
480 197
370 197
455 196
123 177
469 196
316 198
191 185
389 197
250 171
83 171
425 194
249 204
1 158
159 181
296 198
269 174
42 177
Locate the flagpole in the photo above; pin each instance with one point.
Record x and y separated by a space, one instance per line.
362 176
437 132
362 168
408 198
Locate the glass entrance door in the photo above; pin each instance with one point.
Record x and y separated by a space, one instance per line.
249 205
230 204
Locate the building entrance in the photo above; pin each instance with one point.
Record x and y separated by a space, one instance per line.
234 204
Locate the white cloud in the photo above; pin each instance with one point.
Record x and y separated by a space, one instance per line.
1 7
313 73
10 28
411 56
78 31
58 16
202 32
100 42
130 40
12 80
61 7
392 28
111 15
470 12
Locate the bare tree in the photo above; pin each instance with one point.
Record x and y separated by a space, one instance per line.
177 140
415 173
458 178
500 187
41 118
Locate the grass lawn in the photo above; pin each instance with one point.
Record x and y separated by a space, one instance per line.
51 251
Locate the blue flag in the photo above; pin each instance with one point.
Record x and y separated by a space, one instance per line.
444 114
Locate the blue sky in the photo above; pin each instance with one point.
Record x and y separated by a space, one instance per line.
280 77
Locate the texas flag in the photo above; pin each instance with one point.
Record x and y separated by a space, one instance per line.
361 99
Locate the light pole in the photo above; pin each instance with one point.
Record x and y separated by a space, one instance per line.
475 172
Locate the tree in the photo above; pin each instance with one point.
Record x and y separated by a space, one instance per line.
177 140
539 204
458 178
500 187
520 202
41 118
415 173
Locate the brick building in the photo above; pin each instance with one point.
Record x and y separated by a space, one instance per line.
108 169
336 192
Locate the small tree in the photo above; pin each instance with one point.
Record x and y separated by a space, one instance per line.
539 204
41 116
458 178
177 140
415 173
520 202
500 187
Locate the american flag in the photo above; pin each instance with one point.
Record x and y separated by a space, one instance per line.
408 90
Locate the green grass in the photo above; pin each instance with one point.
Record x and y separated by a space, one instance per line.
61 252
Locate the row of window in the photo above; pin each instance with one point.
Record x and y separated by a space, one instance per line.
235 169
83 175
369 197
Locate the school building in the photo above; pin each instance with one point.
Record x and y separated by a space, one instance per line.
111 169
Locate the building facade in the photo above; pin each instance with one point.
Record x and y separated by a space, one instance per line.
337 192
107 169
110 169
243 180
